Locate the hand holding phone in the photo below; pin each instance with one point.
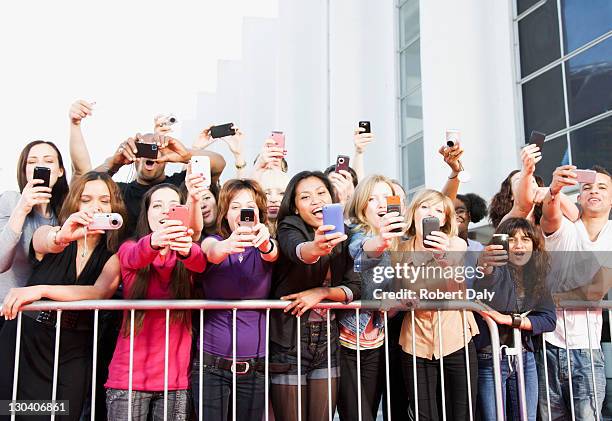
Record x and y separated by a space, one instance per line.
394 205
342 163
429 224
247 217
222 130
537 138
179 213
44 174
365 125
334 215
279 140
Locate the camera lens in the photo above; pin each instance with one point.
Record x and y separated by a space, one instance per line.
450 143
341 161
172 120
153 147
114 222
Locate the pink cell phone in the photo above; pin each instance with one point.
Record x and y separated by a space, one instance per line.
586 176
342 163
279 139
180 213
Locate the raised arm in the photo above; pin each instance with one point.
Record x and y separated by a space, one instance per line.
79 154
196 186
552 216
361 141
524 197
48 239
452 156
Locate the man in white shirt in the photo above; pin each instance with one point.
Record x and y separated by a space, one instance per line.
579 259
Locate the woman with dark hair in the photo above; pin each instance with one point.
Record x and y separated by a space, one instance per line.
21 213
521 300
159 265
241 258
313 266
70 263
522 192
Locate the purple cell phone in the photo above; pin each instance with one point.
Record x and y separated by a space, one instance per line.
334 215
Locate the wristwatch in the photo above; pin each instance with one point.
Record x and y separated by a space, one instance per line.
517 320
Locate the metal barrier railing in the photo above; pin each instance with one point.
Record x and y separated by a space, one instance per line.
267 305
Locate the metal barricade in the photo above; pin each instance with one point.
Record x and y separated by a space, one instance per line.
264 305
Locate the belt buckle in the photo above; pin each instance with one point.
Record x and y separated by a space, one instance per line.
234 367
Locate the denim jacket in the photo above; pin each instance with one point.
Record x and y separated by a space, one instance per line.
364 266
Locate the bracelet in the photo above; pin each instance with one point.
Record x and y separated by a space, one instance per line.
271 248
453 177
517 321
240 166
55 239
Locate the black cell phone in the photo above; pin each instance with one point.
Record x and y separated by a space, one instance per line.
342 163
502 240
537 138
44 174
430 224
222 130
146 150
365 125
247 217
394 204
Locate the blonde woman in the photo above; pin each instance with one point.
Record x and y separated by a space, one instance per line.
274 183
442 250
372 234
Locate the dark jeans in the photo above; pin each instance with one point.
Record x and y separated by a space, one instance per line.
372 383
147 405
217 393
455 385
397 385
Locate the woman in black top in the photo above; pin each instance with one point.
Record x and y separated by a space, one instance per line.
313 266
68 265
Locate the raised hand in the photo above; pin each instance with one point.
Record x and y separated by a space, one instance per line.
79 110
33 195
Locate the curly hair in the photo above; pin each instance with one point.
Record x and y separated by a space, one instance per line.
476 206
535 271
503 201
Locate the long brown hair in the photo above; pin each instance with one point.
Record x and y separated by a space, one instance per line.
180 279
59 189
535 271
71 205
230 189
503 201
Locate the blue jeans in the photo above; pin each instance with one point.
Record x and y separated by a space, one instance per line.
486 386
582 383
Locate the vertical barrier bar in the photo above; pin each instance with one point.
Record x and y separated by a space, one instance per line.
94 366
520 373
167 346
495 351
569 366
234 311
387 380
267 371
299 358
546 378
592 366
414 370
131 369
467 365
16 368
358 369
329 381
441 365
58 328
201 365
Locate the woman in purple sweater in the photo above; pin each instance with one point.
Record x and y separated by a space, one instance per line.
240 265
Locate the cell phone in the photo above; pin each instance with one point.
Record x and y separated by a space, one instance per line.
430 224
146 150
201 165
365 125
394 204
334 215
279 139
106 221
247 217
44 174
342 163
452 137
180 213
586 176
537 138
222 130
501 240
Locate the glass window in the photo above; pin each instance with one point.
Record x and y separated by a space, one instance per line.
412 114
413 166
589 82
410 67
554 154
543 104
409 22
539 38
583 21
523 5
592 145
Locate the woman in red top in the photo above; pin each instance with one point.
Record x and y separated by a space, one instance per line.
157 266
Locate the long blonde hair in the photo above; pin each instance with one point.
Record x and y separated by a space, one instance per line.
356 208
450 226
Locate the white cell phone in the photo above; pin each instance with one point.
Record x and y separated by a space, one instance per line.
201 165
106 221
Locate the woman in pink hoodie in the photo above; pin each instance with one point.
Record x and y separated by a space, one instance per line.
159 265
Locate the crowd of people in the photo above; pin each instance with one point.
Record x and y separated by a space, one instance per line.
52 250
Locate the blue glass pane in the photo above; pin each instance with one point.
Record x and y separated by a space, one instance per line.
523 5
413 171
589 82
592 145
539 38
543 103
584 20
